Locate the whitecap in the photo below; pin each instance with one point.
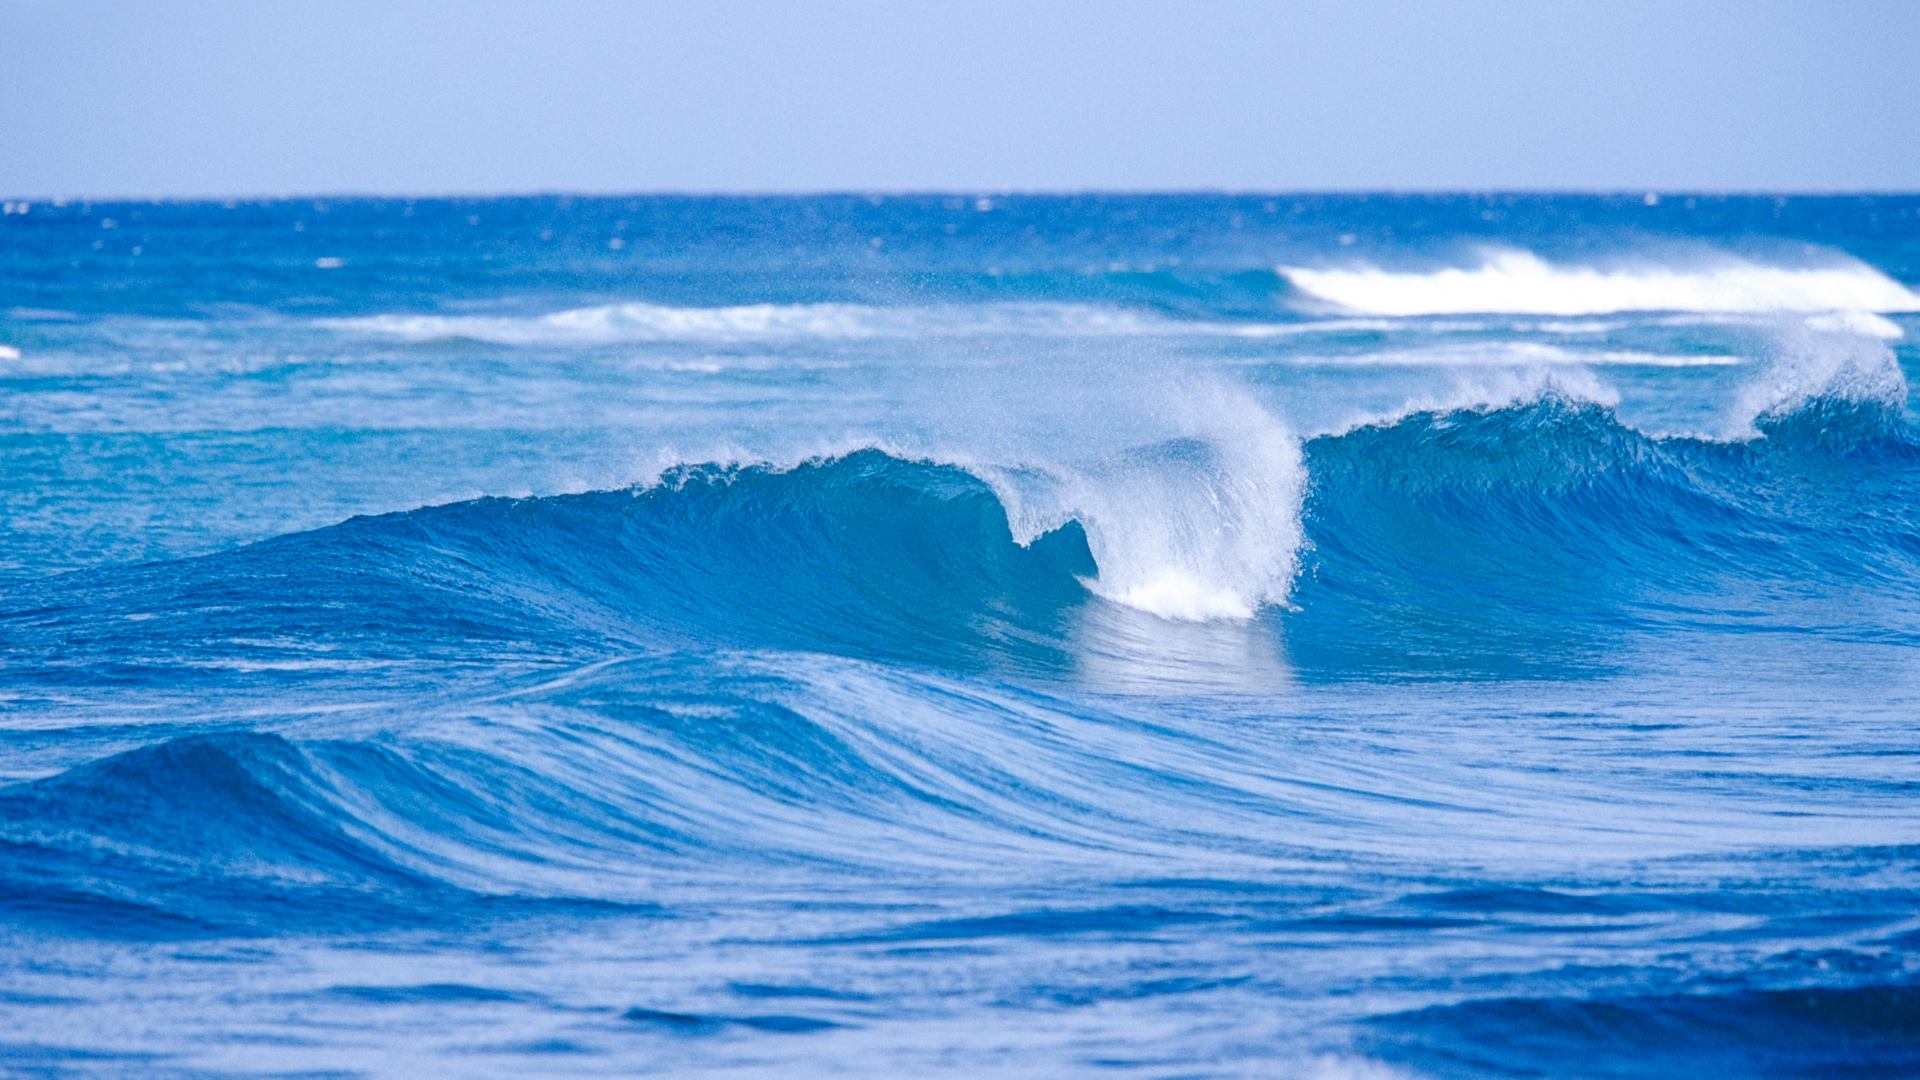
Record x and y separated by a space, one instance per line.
1520 282
1201 527
1808 364
1511 353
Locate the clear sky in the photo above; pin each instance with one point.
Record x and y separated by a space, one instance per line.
224 97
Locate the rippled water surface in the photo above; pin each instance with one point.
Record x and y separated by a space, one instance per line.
1149 636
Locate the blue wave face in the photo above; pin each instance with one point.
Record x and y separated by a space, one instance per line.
192 836
865 556
1242 636
1530 538
1525 540
1777 1033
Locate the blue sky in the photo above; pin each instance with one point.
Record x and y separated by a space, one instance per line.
219 97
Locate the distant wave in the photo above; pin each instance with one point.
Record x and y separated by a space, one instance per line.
1512 284
631 322
1529 539
613 324
1515 353
1520 282
642 322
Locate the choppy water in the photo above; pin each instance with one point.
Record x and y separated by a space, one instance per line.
1148 636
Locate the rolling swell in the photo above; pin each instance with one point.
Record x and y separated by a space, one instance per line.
187 837
612 784
1534 537
864 555
1532 540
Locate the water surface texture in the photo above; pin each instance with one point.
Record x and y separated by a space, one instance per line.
1322 637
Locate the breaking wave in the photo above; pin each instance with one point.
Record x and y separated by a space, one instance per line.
1520 282
1509 530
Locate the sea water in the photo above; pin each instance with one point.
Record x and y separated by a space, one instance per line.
1029 636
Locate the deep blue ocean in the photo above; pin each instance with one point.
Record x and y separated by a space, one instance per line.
1322 637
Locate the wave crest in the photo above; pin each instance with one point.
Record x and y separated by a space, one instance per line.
1825 379
1519 282
1205 526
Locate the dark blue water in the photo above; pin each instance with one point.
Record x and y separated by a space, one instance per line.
1327 637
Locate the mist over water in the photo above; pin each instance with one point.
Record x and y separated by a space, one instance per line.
1201 636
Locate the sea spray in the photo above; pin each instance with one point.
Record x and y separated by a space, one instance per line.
1822 363
1201 526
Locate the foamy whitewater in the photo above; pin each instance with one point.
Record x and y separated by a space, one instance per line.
1320 637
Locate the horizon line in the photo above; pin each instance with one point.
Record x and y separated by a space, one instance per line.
1657 194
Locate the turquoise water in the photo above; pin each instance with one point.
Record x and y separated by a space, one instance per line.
1029 636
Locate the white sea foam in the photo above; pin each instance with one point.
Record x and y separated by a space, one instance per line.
1863 323
1512 353
614 323
638 322
1520 282
1498 388
1205 526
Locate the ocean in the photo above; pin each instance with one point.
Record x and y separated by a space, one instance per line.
1352 637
